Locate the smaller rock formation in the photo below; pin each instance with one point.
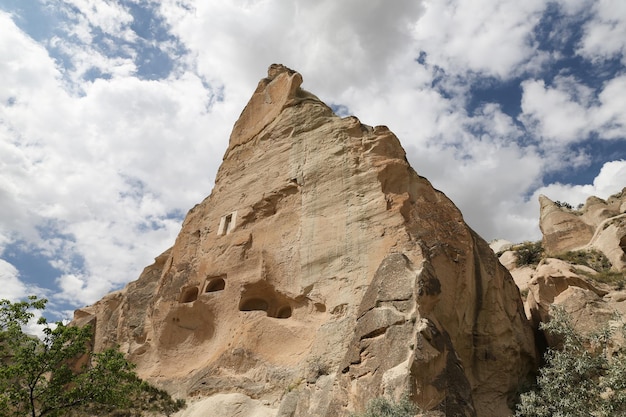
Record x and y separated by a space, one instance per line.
562 229
598 228
599 224
553 277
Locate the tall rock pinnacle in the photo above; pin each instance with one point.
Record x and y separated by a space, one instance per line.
321 272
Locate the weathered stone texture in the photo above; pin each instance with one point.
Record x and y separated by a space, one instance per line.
599 224
322 271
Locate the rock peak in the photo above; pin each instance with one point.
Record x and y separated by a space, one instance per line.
321 272
276 69
279 90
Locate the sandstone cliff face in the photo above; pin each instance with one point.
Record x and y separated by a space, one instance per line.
321 272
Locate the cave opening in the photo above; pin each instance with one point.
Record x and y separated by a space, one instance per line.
254 304
284 312
189 295
215 284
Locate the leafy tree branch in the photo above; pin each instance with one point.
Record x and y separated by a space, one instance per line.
58 374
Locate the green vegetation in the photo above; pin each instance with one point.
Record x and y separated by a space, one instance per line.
597 261
616 279
592 258
528 253
58 376
586 377
531 253
382 407
564 204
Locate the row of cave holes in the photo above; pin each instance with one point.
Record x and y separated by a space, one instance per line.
212 285
251 304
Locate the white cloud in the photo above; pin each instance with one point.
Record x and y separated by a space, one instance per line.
22 76
101 173
356 42
109 17
610 113
572 7
569 111
557 114
12 288
609 181
605 33
485 173
492 37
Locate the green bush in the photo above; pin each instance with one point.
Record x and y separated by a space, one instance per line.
528 253
594 259
616 279
564 204
585 377
383 407
43 377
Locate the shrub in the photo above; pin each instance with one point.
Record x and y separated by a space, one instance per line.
564 204
616 279
597 261
43 377
383 407
585 377
528 253
594 259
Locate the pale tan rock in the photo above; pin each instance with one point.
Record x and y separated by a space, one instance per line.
596 210
590 304
599 225
321 272
590 314
610 239
562 229
588 311
521 274
509 260
552 277
233 404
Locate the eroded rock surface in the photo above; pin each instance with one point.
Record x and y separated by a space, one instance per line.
321 272
599 224
591 297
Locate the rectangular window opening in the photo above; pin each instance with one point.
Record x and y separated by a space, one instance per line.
227 223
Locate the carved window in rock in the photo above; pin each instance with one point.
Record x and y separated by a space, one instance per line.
260 304
622 243
284 312
227 223
254 304
214 284
189 295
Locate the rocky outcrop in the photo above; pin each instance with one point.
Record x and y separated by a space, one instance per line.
552 278
321 272
599 224
591 304
562 229
590 296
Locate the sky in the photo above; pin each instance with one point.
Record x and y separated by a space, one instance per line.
115 115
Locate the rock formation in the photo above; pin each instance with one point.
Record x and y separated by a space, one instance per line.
590 296
321 272
597 225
